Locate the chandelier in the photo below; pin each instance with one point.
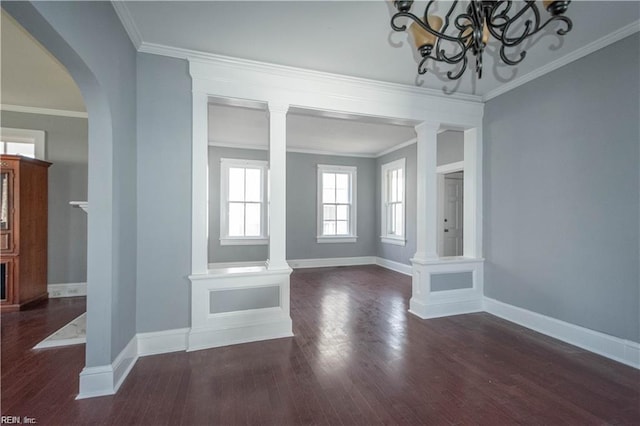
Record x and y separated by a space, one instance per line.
472 30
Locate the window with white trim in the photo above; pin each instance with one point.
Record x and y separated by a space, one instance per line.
243 206
25 142
336 204
393 202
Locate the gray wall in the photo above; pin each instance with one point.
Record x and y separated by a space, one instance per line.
561 179
217 252
164 193
301 208
66 148
302 172
450 147
89 40
392 252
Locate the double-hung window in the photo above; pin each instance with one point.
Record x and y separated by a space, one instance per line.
243 206
28 143
393 202
336 204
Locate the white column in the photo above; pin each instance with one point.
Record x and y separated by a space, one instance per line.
472 193
427 187
199 185
277 186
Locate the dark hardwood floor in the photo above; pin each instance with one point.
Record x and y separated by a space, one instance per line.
357 358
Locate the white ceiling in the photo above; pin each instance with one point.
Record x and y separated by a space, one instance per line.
307 131
352 37
31 76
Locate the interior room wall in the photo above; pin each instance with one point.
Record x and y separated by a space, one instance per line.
561 198
401 254
302 172
88 38
66 147
164 193
450 147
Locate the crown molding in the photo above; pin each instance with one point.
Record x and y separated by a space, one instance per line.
44 111
605 41
228 144
127 22
283 70
396 147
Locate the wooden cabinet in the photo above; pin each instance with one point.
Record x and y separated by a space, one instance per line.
23 231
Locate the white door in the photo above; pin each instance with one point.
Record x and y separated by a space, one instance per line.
453 205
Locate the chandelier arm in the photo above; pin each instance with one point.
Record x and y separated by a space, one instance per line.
447 17
463 68
509 61
424 25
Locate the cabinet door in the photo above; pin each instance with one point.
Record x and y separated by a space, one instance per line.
7 227
6 281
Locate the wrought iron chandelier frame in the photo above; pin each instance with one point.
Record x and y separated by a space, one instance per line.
465 32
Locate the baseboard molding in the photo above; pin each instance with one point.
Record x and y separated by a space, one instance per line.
394 266
444 308
242 264
213 338
162 342
106 379
331 262
624 351
67 290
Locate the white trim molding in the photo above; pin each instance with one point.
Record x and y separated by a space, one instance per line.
162 342
211 329
331 262
67 290
106 379
605 41
352 173
44 111
615 348
427 303
402 268
128 22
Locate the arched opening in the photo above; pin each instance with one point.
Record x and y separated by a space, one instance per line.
99 351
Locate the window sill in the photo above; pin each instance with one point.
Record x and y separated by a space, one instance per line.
244 241
331 240
393 240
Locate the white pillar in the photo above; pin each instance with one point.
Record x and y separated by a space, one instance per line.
277 186
199 185
427 187
472 243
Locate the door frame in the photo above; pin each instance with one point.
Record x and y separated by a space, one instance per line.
442 170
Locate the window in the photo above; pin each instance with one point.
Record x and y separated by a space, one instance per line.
336 204
28 143
243 209
393 199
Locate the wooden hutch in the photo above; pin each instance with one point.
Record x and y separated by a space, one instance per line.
23 231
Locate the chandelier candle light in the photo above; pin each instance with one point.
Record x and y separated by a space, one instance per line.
472 30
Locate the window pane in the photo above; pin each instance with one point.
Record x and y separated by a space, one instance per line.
2 148
329 227
236 219
390 219
328 195
253 185
252 227
400 184
342 227
26 149
236 184
342 181
328 180
329 212
399 219
393 185
342 196
343 213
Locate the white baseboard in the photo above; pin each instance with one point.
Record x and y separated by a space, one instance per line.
219 265
624 351
67 290
210 338
444 308
161 342
394 266
106 379
331 262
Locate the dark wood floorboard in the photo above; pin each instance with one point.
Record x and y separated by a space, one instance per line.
357 358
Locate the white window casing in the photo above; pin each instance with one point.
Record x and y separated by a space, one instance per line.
36 138
393 202
243 200
336 204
